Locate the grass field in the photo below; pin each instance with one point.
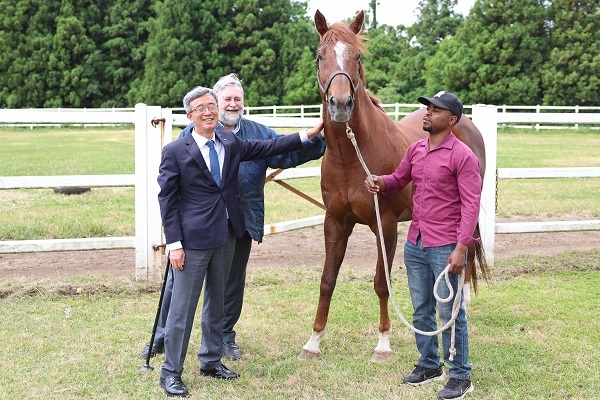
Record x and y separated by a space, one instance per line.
42 214
534 334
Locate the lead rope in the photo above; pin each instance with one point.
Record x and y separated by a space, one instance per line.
444 274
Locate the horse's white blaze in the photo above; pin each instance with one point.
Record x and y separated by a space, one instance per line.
340 54
313 343
383 345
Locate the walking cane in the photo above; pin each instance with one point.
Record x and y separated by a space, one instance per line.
147 366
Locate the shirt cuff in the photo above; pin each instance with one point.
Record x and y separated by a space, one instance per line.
174 246
303 135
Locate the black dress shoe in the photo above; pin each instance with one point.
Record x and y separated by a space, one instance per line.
220 372
231 351
158 348
173 386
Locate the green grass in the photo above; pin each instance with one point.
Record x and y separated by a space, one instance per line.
534 334
41 214
565 199
67 151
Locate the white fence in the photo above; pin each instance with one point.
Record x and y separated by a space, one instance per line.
154 127
487 119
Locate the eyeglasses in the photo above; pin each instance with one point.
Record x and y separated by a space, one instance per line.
211 107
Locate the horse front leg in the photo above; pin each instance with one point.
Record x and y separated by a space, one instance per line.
383 351
336 241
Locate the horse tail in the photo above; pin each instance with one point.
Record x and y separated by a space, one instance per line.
476 259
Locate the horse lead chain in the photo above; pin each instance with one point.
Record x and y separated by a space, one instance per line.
496 197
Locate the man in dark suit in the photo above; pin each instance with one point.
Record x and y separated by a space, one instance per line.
202 215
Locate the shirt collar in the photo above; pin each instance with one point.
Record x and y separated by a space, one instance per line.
447 143
234 131
201 140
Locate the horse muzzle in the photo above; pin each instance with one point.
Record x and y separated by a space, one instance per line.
340 111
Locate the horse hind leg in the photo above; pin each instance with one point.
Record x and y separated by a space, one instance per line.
336 242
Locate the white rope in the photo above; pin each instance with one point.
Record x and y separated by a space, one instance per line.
444 274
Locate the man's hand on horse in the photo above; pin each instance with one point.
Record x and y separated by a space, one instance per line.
317 129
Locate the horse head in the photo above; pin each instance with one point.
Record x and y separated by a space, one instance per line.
340 73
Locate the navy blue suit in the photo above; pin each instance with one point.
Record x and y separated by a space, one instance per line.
194 211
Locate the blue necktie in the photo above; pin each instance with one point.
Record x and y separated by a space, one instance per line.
214 162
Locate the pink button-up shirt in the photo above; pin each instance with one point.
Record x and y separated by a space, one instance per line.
447 191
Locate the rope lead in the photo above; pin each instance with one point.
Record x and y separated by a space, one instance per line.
444 274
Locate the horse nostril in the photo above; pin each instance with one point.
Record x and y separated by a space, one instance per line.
349 104
333 103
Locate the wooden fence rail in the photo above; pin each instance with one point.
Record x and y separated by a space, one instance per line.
154 127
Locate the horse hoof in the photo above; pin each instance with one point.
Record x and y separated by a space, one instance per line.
307 355
381 356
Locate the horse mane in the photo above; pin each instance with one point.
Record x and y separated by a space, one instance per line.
341 32
376 102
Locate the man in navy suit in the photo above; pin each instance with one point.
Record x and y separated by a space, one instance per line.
202 215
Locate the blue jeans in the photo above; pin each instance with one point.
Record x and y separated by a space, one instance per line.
423 266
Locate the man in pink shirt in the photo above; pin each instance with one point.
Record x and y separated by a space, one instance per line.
447 190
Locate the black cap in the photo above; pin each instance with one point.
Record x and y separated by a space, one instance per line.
445 100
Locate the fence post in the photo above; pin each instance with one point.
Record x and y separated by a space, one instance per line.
148 227
486 119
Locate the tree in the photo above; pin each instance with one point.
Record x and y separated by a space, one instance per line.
495 56
386 46
26 28
436 21
571 76
300 86
68 79
194 42
120 58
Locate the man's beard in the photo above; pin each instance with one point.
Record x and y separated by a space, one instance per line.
228 119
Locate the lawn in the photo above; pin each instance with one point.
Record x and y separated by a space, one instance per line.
534 334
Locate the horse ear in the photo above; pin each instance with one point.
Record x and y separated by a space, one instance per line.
321 23
357 24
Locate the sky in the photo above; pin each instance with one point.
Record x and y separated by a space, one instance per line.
389 12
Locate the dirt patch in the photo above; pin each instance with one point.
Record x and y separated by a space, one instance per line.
299 248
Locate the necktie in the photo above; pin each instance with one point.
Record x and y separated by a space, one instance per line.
214 162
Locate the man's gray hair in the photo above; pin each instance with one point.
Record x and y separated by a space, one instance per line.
196 92
228 80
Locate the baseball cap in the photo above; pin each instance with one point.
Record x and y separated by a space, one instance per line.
445 100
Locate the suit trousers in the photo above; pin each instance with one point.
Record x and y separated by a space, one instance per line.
234 293
234 288
210 265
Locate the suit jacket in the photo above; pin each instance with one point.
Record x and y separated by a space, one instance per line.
252 173
193 207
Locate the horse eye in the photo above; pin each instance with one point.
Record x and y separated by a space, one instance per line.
319 57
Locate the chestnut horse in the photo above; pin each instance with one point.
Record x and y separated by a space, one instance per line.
348 105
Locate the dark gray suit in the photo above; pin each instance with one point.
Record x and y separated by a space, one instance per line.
194 211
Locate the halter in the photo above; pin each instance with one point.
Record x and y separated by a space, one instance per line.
336 73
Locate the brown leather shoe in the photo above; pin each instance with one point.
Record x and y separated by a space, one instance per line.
219 372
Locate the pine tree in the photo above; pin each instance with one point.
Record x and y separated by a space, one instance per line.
572 74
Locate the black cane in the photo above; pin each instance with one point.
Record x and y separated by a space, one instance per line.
147 366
